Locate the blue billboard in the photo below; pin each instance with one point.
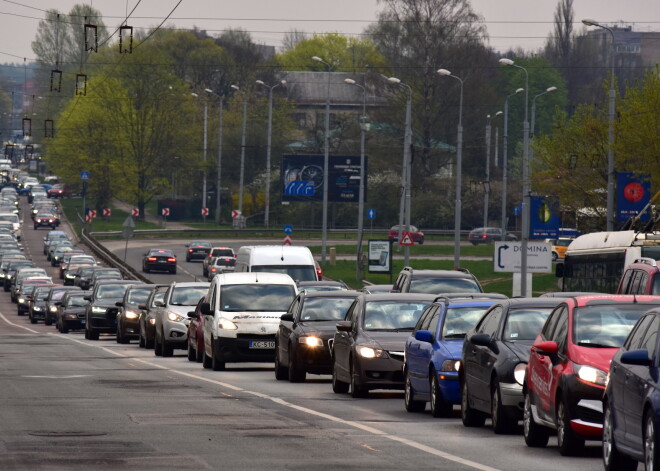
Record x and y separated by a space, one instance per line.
544 217
633 194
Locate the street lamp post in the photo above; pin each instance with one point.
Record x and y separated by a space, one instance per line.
533 125
525 183
268 146
610 130
326 164
363 132
242 167
206 121
406 177
505 159
218 181
487 181
459 172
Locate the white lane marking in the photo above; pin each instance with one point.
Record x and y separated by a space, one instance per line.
282 402
56 377
16 325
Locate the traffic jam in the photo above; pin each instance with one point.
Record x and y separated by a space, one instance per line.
578 366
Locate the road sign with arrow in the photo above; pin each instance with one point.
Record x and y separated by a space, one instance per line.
507 256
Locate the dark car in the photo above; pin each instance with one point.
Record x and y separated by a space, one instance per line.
223 252
436 281
52 236
322 285
12 268
101 314
147 319
75 258
128 317
416 235
159 260
303 339
198 250
24 298
196 333
569 364
105 274
72 273
631 405
71 311
37 309
495 355
432 359
44 219
84 275
367 349
54 296
488 235
640 277
59 253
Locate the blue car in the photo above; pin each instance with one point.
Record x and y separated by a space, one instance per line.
631 404
433 353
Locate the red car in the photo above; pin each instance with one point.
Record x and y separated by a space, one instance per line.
416 235
569 365
196 334
57 191
46 219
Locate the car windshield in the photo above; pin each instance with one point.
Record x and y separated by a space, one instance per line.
325 309
605 326
77 301
200 244
138 296
525 323
444 285
111 291
41 294
458 320
392 315
187 295
297 272
256 297
56 295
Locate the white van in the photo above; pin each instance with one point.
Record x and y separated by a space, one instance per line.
241 316
295 261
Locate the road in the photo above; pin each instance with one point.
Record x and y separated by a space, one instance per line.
70 403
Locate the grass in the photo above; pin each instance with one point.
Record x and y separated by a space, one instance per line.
73 206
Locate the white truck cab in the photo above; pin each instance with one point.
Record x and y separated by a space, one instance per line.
242 315
296 261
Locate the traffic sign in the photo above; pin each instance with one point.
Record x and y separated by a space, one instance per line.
406 239
106 212
287 240
165 211
84 175
205 211
128 222
235 213
288 229
507 257
371 213
135 212
91 214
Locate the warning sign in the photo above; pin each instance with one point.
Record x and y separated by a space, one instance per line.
406 239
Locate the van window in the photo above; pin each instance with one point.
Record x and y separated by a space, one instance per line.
297 272
256 297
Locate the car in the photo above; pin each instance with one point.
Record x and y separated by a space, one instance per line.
22 274
57 191
57 244
37 307
324 285
103 273
306 331
631 404
196 333
147 319
59 253
219 265
45 219
411 280
101 313
75 258
367 349
569 364
53 236
559 247
159 260
416 235
224 252
198 250
494 358
640 277
11 270
488 235
54 296
83 276
432 354
171 328
128 316
71 311
24 296
373 289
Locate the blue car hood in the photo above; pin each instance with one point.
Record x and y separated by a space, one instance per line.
454 347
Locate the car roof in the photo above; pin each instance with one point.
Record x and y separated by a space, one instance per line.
399 297
253 277
605 299
530 302
188 284
347 293
441 273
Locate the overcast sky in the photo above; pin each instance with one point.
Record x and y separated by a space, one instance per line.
510 23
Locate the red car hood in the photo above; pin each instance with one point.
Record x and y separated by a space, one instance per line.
597 357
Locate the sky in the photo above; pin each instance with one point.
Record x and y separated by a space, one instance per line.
510 23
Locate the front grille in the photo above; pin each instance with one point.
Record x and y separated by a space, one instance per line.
589 415
396 355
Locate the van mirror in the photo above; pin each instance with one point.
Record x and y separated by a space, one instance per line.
205 308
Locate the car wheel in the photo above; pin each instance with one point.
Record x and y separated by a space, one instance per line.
36 227
192 354
142 343
439 406
613 460
651 449
296 373
32 320
535 435
158 351
199 353
166 350
569 443
148 343
121 338
338 386
93 335
216 363
409 396
48 321
503 422
357 390
281 372
63 328
206 362
470 416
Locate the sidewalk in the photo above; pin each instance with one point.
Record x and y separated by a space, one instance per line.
152 218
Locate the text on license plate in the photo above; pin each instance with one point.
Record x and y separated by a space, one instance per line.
262 344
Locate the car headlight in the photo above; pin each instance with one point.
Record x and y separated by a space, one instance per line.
21 300
98 310
519 373
591 374
69 276
131 315
311 341
152 321
174 317
36 308
450 366
227 324
368 352
53 309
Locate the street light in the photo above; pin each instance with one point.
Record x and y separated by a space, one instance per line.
206 121
363 126
525 183
532 132
487 181
268 146
610 131
242 172
219 173
459 172
406 178
326 159
505 159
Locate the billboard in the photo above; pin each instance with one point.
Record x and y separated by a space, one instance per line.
633 194
302 178
380 256
544 218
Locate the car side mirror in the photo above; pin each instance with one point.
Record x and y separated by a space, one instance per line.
288 317
192 315
546 348
205 309
87 298
424 336
483 340
636 357
119 304
344 326
142 306
159 304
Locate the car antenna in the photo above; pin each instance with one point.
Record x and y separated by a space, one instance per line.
282 253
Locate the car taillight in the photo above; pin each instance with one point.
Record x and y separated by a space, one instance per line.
484 236
190 250
319 273
171 259
152 259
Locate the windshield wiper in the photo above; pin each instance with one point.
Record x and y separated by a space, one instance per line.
453 336
595 345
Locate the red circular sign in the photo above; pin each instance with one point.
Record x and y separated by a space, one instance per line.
633 192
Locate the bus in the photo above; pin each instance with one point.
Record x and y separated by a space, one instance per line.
595 262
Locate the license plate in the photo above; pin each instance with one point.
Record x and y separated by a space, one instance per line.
262 344
82 321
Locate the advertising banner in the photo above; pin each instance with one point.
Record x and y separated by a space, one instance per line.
633 193
544 218
380 256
